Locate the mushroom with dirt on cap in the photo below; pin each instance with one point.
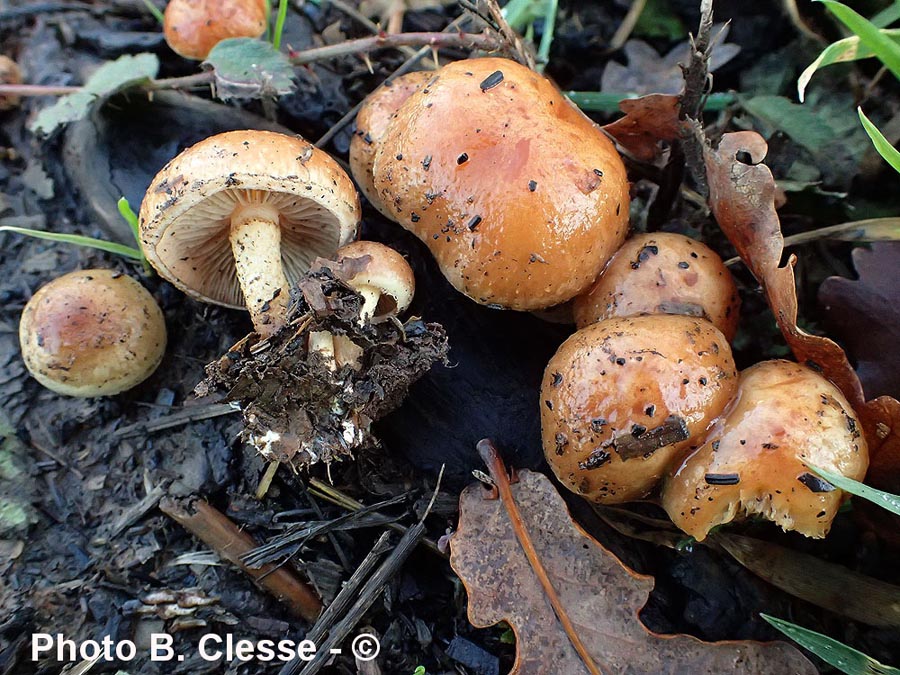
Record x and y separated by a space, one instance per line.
758 458
520 197
663 273
237 218
386 283
193 27
372 120
92 333
622 398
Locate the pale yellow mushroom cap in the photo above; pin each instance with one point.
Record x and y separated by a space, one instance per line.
385 270
92 333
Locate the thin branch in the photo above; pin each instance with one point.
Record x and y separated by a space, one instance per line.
230 542
491 457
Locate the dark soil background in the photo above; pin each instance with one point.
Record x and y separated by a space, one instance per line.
68 473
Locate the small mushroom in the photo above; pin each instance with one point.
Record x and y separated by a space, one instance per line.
92 333
9 74
518 195
622 398
371 122
193 27
239 217
756 459
663 273
386 283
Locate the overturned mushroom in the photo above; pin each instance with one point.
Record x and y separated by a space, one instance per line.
372 121
9 74
193 27
663 273
239 217
518 195
785 418
386 283
621 398
92 333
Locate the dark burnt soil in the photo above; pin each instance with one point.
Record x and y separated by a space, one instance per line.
82 544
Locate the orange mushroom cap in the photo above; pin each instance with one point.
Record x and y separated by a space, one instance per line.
193 27
622 398
518 195
385 275
755 461
92 333
663 273
376 113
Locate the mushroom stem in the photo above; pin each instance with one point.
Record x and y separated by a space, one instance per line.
322 341
256 244
370 295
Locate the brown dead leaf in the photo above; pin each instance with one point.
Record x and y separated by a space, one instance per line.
872 301
595 593
742 198
647 122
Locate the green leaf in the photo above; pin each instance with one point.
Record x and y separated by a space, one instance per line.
279 24
883 499
659 21
78 240
130 217
881 45
842 51
806 126
836 654
126 71
890 154
250 68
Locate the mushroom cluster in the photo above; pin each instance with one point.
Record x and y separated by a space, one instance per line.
518 195
646 394
92 333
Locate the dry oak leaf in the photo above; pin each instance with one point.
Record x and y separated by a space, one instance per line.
648 121
600 595
742 199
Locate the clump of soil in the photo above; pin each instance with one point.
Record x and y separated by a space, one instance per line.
301 407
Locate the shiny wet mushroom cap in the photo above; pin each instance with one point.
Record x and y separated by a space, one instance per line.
622 398
520 197
372 121
237 219
92 333
193 27
663 273
756 460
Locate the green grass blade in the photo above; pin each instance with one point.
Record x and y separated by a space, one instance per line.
78 240
890 154
279 23
130 217
543 52
842 51
881 45
154 10
836 654
887 16
883 499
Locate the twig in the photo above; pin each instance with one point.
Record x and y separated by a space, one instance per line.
218 532
136 511
367 596
484 41
338 498
404 68
623 32
491 457
184 415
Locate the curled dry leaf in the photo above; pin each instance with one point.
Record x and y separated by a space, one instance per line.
647 121
742 198
598 595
